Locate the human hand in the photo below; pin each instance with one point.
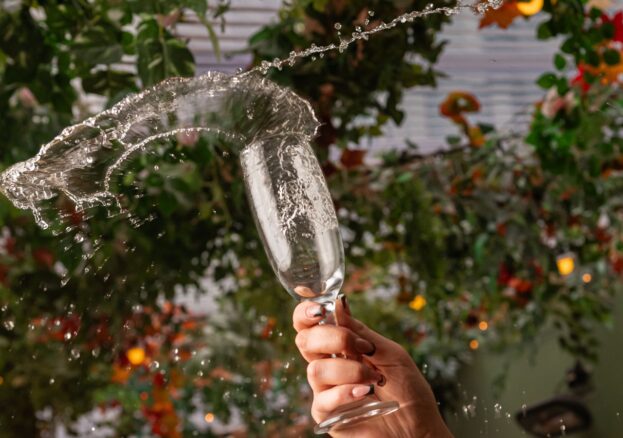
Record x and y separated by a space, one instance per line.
370 365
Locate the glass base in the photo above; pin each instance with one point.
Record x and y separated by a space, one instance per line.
356 412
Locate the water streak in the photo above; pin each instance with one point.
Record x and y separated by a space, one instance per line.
82 161
479 7
244 109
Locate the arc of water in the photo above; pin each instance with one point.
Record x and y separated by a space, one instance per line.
81 162
479 7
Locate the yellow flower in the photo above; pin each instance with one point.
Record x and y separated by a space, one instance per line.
565 264
136 355
418 303
530 7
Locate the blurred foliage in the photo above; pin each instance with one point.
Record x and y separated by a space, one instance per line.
445 253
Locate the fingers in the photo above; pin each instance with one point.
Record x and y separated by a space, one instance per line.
328 401
386 352
325 373
307 314
323 340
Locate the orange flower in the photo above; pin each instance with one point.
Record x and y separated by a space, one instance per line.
120 374
502 16
459 102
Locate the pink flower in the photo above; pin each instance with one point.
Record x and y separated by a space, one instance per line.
554 103
26 97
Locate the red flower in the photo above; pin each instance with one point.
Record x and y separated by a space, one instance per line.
520 285
616 261
43 257
617 22
504 275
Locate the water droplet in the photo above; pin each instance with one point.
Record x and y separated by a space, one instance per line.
9 325
497 408
337 26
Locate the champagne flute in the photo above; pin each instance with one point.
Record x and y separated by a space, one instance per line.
296 220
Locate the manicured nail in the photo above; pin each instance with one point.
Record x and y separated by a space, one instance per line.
314 311
345 305
364 347
362 390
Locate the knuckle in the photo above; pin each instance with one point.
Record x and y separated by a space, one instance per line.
342 338
313 370
317 411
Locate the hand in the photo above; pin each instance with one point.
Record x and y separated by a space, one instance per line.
373 366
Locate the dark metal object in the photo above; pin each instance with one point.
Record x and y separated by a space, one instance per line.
562 414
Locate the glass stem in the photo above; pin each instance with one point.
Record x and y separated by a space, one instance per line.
329 306
331 317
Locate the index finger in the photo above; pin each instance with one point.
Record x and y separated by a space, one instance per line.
307 314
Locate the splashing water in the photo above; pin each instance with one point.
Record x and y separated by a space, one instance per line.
480 7
81 162
245 109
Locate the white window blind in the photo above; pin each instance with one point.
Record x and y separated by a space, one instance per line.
498 66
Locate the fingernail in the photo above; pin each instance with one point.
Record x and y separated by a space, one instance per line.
364 347
345 304
314 311
362 390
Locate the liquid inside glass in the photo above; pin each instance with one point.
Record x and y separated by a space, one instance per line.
295 216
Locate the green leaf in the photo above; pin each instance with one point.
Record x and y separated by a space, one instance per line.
411 75
108 82
97 45
160 55
479 247
559 61
404 177
453 140
562 86
200 7
543 31
568 46
547 80
592 58
612 57
320 5
607 30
